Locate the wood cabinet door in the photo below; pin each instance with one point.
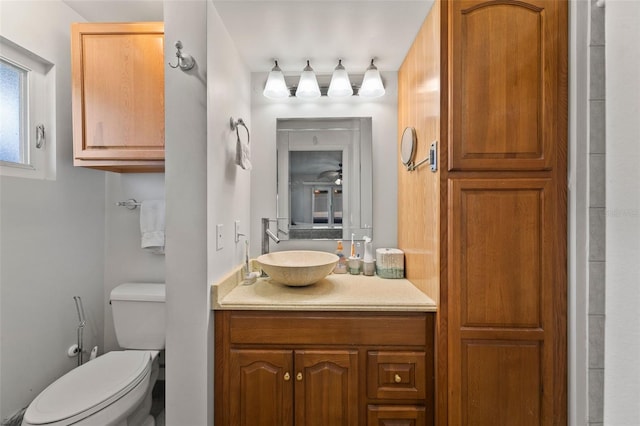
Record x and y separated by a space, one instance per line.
118 91
508 61
505 335
326 390
261 388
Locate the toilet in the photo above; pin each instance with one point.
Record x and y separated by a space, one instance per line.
115 388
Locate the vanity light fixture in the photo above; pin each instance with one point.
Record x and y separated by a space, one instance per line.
276 87
340 86
308 85
372 86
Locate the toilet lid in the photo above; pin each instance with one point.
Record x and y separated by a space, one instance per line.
97 383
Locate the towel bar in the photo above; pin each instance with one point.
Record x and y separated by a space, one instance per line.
131 204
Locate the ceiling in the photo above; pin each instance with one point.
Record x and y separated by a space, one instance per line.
296 30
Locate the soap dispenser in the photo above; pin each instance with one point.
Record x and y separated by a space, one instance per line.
369 266
341 266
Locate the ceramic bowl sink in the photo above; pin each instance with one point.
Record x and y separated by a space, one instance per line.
299 267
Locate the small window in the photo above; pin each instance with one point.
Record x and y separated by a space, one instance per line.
27 142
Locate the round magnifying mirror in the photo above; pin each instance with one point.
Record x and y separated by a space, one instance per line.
408 146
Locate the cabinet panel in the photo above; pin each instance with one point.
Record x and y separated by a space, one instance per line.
261 388
336 328
505 375
501 245
396 375
326 391
402 415
505 72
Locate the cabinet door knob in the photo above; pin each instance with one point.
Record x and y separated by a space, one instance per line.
287 376
397 378
299 377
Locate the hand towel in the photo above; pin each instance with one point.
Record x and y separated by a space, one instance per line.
152 226
243 151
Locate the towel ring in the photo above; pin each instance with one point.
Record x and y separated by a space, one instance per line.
234 124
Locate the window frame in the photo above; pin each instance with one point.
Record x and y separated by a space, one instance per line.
40 163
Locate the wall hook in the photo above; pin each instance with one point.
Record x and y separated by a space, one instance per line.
185 61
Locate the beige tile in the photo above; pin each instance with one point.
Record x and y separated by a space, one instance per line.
597 25
596 341
596 70
597 224
596 395
597 124
597 287
597 197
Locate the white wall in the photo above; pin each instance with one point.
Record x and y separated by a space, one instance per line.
51 232
124 260
622 330
384 114
203 188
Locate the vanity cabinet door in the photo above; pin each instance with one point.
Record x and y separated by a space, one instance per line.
261 388
326 391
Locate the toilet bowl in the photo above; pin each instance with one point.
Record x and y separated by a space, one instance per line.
115 388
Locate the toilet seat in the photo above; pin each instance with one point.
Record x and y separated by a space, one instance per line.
90 387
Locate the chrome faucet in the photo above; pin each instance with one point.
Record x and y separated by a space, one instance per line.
266 234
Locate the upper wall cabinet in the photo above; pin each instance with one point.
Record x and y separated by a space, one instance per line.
118 96
504 84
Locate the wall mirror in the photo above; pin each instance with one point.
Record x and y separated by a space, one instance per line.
408 146
324 178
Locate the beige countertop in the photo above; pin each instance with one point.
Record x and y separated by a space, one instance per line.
336 292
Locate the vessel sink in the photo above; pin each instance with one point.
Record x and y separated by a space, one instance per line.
298 267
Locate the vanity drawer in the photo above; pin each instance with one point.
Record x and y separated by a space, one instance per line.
400 415
396 375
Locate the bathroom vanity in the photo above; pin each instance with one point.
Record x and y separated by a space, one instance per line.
348 350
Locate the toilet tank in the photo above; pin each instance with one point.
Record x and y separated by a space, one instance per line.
138 315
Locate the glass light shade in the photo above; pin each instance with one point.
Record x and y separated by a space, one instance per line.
276 87
372 86
308 85
340 86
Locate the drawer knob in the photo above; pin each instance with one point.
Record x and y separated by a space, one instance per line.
287 376
397 378
299 377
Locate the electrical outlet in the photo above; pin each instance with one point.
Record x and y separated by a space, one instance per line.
219 237
237 230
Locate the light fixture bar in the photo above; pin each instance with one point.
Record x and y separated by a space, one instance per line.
314 86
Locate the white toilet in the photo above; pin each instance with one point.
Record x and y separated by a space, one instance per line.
115 388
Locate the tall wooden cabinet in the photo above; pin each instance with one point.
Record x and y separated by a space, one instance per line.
118 96
494 253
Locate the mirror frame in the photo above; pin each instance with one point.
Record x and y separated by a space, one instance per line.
358 174
408 143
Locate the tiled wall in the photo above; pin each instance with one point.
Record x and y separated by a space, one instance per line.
597 228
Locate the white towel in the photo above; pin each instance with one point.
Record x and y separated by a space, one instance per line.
152 226
243 151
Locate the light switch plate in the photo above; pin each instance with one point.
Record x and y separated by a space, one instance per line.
219 237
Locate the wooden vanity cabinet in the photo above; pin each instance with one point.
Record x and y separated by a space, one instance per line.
118 96
323 368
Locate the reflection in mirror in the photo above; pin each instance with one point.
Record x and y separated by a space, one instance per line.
324 178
